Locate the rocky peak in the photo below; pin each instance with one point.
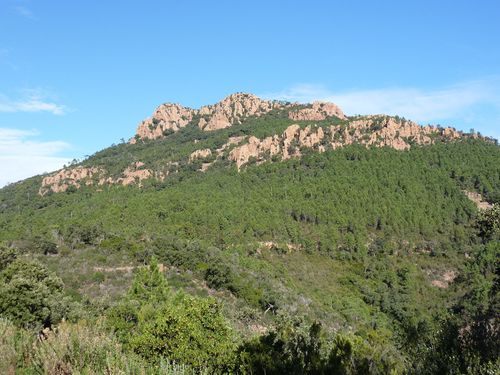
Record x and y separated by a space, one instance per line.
229 111
317 112
234 108
168 117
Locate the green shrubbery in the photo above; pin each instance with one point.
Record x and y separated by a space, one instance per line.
82 348
157 323
31 295
357 237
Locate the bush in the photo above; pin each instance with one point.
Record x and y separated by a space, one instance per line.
294 348
191 331
83 348
31 295
159 324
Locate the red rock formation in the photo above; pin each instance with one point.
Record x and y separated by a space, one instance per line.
318 112
167 117
231 110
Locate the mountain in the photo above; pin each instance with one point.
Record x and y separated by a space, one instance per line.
324 127
368 225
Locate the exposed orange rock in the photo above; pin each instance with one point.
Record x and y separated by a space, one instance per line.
133 174
200 154
478 200
282 146
204 153
63 179
376 131
445 279
167 117
318 112
385 131
231 110
218 120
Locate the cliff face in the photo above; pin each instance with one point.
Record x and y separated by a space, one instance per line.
95 176
372 131
319 111
231 110
243 148
167 117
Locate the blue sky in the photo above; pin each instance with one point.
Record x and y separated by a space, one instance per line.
77 76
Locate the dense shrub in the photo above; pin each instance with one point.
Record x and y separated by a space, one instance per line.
31 295
83 348
160 324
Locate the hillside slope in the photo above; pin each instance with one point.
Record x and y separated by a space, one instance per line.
275 208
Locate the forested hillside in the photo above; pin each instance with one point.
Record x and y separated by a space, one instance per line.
258 237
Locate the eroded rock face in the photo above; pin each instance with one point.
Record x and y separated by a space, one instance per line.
233 109
133 174
167 117
229 111
371 131
285 145
384 131
318 112
200 154
92 176
61 181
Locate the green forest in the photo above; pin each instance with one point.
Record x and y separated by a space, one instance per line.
351 261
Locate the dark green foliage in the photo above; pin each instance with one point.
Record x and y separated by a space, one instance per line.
296 349
44 246
30 295
489 224
7 256
187 330
288 350
468 340
157 324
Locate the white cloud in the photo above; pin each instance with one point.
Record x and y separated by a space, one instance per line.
22 157
465 101
32 101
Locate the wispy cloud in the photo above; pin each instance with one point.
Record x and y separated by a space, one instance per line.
22 155
25 12
31 101
468 102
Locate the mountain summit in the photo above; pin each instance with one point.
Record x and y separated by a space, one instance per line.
234 109
247 129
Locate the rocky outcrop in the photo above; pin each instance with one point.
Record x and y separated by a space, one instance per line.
319 111
166 118
284 146
61 181
133 174
385 131
371 131
229 111
234 109
200 154
205 153
445 279
95 176
478 200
